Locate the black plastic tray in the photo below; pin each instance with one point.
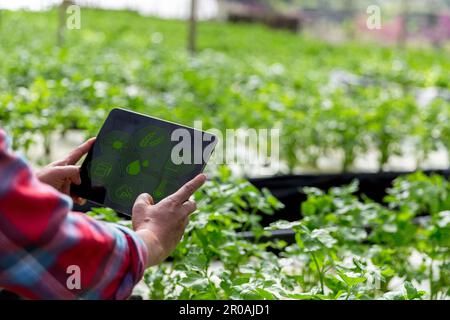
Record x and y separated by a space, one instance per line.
287 188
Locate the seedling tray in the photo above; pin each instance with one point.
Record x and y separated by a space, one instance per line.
287 188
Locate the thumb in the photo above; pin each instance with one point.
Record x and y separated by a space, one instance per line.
71 173
138 215
144 199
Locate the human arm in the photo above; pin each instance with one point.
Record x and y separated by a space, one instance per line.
41 239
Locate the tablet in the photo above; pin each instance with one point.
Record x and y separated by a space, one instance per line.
135 154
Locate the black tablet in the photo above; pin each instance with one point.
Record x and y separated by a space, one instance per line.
135 153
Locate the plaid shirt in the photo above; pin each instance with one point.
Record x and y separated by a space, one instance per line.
43 244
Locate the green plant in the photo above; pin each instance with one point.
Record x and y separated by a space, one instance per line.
345 247
236 80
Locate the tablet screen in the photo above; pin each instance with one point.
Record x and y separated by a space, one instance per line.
135 154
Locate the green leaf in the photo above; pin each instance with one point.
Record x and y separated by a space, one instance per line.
283 225
411 292
324 237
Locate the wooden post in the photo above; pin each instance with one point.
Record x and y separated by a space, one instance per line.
192 37
350 6
404 23
62 21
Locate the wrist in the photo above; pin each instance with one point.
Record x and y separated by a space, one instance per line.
154 248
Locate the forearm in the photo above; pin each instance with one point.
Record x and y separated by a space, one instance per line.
111 259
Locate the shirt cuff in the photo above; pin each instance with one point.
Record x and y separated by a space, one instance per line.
140 249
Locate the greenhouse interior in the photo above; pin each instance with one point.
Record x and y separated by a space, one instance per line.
225 150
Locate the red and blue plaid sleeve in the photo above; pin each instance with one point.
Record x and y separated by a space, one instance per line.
43 245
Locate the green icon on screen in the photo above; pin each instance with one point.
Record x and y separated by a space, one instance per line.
150 140
145 141
114 141
134 168
102 169
124 193
159 192
117 144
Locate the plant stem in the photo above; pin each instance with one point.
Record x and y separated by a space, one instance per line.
319 271
348 293
430 277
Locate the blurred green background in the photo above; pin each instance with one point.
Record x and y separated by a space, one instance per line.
359 99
